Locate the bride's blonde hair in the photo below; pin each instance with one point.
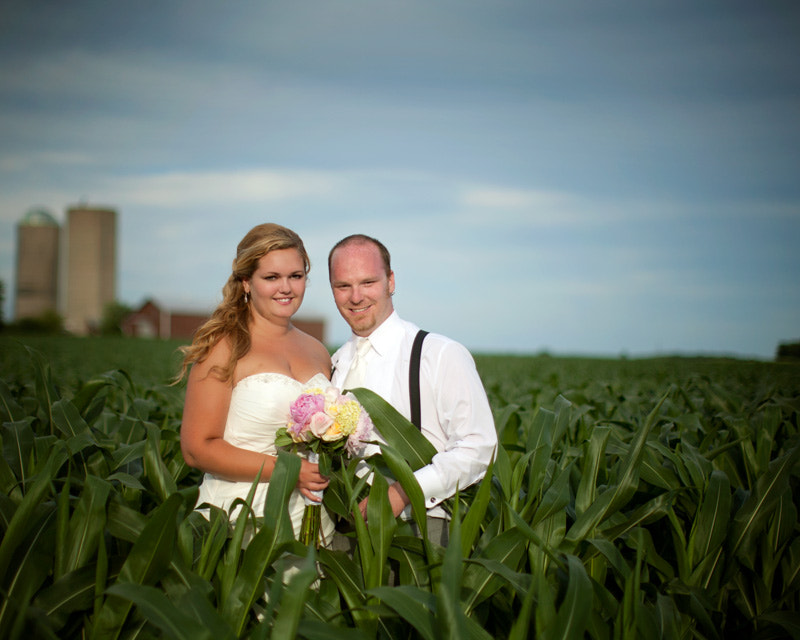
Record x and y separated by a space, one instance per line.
231 318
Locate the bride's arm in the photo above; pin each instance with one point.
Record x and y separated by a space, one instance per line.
202 444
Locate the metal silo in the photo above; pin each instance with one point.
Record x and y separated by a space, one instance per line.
37 265
90 282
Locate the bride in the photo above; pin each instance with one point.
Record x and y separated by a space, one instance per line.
248 363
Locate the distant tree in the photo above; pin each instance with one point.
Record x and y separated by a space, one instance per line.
2 304
113 315
47 322
789 351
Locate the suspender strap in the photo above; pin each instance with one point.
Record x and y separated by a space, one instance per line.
413 378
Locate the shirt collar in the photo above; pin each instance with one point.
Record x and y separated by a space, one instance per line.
387 334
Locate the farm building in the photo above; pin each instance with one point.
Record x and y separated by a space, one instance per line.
151 320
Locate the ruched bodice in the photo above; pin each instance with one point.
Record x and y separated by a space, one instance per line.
259 407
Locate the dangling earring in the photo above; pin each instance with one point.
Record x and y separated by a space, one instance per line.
246 297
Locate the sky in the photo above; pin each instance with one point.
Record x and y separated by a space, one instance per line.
577 178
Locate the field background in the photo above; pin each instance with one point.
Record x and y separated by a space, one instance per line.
631 497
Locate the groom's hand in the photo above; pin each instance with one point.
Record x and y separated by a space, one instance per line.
397 499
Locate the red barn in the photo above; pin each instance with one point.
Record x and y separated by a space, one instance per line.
151 321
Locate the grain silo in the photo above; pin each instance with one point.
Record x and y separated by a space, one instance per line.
37 265
90 282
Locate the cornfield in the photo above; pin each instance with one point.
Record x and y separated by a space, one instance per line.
629 498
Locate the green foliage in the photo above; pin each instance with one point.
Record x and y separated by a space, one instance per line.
652 498
113 315
47 323
789 351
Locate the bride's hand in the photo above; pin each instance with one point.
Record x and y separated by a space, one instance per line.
311 480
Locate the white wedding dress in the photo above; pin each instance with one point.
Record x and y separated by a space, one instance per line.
259 407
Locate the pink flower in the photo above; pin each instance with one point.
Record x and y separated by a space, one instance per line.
356 441
319 423
298 432
306 405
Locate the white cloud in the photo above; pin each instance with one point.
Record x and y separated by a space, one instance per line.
504 198
181 189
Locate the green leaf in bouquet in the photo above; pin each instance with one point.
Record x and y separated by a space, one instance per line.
282 439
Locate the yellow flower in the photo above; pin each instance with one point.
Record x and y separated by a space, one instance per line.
347 415
333 433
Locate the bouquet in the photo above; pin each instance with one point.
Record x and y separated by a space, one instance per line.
324 423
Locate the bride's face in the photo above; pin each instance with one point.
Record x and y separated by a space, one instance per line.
278 284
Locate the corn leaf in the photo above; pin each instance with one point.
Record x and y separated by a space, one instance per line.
382 525
416 606
172 620
87 523
265 547
395 429
752 516
573 614
710 527
22 520
450 618
470 526
147 561
290 610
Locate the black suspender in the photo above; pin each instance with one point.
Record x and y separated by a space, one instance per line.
413 378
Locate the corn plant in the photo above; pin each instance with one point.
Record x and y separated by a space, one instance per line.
627 499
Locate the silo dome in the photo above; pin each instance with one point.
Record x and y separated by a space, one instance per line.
38 218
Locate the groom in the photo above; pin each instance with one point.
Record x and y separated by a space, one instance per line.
455 413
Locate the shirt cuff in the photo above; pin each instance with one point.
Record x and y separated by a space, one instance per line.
433 488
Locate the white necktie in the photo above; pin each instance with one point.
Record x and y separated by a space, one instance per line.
355 376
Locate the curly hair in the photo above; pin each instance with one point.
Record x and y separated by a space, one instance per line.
231 318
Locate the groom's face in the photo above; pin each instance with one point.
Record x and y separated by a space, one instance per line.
361 288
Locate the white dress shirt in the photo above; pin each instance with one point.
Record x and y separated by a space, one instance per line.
456 417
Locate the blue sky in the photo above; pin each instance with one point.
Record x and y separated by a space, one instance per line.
581 178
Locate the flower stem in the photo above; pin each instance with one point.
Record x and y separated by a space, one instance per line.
309 529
